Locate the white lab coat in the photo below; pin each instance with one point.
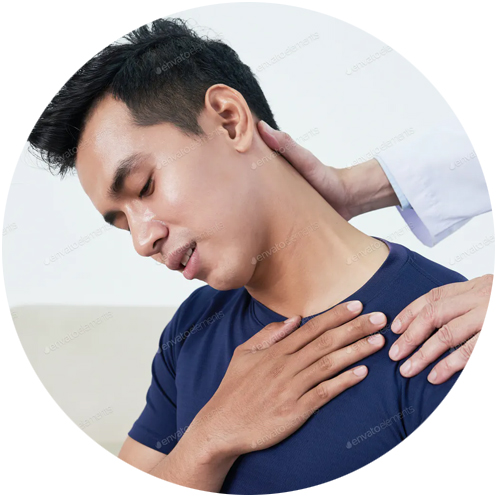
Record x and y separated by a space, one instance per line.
438 180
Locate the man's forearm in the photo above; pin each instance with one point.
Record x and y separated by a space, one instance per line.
367 188
195 462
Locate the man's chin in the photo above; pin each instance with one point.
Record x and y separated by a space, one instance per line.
225 281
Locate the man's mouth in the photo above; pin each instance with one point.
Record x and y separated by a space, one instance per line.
189 264
186 257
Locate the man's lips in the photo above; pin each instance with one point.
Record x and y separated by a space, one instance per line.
192 266
173 260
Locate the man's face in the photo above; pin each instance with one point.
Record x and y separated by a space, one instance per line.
181 194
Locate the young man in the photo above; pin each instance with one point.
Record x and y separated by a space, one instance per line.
167 148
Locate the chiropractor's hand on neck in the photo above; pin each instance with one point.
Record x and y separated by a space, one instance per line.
350 191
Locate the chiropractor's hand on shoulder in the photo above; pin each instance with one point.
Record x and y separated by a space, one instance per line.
457 311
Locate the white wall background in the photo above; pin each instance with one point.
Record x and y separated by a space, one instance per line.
313 87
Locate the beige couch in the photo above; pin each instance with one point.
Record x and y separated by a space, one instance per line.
94 361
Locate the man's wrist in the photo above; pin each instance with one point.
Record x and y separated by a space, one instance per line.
367 188
210 445
197 461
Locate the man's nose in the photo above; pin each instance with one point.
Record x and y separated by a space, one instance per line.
148 237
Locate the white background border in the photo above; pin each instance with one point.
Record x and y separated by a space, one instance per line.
453 45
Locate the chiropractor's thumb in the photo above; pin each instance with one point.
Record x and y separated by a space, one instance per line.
302 159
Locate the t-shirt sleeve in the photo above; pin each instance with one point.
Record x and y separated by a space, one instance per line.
156 426
420 398
417 392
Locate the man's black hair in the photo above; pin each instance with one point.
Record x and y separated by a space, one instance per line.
161 72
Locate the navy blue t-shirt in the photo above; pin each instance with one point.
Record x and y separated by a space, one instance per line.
350 431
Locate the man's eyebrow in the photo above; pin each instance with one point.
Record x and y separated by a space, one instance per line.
123 171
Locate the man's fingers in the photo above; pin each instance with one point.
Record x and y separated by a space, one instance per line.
450 335
406 317
329 389
344 336
300 158
331 364
431 317
331 319
272 333
453 363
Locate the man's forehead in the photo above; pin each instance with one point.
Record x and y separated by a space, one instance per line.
109 119
103 141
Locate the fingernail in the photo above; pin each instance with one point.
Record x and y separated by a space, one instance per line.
360 371
354 306
393 353
432 376
267 127
406 367
291 319
377 318
396 326
375 339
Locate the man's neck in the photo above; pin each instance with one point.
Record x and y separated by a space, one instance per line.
312 258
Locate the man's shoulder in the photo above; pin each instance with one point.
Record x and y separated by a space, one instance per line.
432 271
204 303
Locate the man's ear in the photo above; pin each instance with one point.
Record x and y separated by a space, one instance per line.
232 112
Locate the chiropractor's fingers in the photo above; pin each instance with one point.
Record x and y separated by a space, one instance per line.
451 335
406 317
300 158
453 363
457 300
458 313
433 316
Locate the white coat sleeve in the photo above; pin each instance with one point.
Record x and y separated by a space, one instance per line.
438 180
